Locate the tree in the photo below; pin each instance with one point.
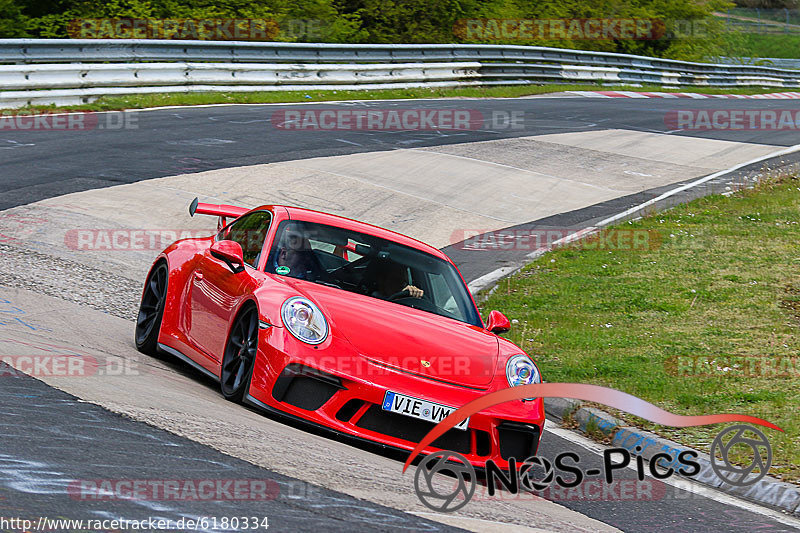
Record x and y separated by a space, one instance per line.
11 21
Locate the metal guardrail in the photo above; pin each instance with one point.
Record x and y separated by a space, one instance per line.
771 62
71 71
18 51
783 63
73 84
32 77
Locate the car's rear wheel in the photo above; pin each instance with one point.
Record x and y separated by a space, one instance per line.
151 310
240 355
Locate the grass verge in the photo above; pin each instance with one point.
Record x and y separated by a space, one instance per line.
785 46
139 101
667 323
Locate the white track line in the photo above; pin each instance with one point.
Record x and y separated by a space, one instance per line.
482 282
785 151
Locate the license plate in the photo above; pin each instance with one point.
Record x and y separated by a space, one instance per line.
417 408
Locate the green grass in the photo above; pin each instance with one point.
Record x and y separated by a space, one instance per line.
725 281
139 101
785 46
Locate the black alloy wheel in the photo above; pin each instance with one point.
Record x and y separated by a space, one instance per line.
151 310
240 354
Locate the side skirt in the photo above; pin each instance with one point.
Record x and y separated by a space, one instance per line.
197 366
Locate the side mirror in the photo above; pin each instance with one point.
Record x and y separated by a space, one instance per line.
498 323
231 253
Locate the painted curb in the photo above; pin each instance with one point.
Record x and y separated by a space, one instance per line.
768 491
696 96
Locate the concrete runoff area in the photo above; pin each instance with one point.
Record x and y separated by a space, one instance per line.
428 193
432 194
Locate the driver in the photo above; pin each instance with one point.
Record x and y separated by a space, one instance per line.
392 279
294 252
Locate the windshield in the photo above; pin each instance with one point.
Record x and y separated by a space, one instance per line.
368 265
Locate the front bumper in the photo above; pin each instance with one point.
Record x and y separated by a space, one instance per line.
344 393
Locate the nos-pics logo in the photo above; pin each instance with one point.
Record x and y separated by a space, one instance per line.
445 481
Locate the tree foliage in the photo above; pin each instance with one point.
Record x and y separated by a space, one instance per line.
395 21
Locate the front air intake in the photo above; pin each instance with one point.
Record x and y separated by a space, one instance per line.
305 387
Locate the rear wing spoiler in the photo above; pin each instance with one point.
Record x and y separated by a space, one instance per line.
222 211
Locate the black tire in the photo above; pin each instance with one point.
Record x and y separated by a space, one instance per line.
151 310
240 355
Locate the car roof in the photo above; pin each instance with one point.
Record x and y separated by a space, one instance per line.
309 215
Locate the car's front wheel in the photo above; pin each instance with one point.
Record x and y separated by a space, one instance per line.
151 310
240 355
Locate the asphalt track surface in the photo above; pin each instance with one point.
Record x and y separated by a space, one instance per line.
38 165
165 142
52 442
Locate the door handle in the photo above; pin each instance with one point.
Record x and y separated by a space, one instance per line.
198 275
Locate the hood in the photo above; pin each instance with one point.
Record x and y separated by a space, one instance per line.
408 339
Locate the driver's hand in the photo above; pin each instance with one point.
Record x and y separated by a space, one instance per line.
414 292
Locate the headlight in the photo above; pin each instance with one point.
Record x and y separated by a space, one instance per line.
304 320
520 370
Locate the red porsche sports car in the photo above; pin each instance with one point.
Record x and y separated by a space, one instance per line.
341 324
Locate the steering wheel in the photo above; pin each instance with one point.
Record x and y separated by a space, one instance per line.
402 294
404 298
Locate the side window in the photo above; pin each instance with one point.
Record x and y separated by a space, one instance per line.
443 296
249 231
